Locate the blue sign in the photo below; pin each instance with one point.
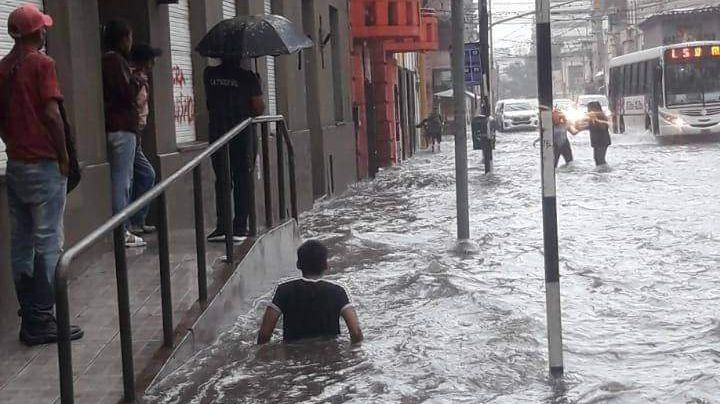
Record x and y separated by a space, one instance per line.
473 64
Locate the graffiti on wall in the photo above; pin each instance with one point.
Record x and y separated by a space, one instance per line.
183 98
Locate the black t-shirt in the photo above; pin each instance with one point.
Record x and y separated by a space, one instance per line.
228 90
310 308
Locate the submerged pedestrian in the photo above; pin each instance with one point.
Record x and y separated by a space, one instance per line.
142 62
433 126
233 95
38 164
561 143
310 306
599 126
120 93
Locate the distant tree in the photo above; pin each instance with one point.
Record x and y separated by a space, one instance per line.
519 79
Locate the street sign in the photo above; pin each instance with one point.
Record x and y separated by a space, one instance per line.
473 64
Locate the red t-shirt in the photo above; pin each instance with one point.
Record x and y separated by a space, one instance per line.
33 86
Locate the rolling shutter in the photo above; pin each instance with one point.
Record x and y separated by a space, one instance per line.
182 73
270 63
6 42
229 9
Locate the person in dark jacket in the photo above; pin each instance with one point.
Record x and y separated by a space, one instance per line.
233 94
599 127
433 126
121 116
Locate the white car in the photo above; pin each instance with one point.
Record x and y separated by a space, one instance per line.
516 115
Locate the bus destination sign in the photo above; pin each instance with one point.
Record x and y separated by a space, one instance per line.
690 53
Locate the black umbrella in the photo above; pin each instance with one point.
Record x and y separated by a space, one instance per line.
253 36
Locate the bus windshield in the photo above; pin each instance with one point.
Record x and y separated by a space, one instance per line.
696 82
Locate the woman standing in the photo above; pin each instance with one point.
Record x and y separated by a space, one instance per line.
560 140
599 127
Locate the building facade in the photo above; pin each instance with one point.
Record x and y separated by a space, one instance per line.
320 125
386 75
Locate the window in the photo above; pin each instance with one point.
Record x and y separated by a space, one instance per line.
641 78
392 12
336 65
627 79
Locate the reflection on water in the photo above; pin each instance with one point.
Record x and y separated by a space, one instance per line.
640 245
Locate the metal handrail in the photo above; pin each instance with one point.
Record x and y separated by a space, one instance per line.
116 225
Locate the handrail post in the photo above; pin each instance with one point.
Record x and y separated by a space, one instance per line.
227 204
165 283
266 174
291 169
200 234
123 291
62 309
280 127
251 183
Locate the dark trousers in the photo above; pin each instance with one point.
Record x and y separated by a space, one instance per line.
565 151
242 163
599 154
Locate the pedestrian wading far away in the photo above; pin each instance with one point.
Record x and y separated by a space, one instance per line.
120 93
433 126
233 95
142 62
310 306
599 127
32 128
561 143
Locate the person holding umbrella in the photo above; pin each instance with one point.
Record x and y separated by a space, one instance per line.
233 95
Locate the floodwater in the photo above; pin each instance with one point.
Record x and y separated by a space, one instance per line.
639 248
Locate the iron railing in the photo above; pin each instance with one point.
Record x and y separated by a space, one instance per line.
115 224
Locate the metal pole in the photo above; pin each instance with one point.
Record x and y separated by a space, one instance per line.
267 191
549 204
165 282
200 234
123 291
491 58
227 199
458 75
484 31
252 217
281 171
62 308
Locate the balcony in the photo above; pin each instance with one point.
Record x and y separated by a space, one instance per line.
428 40
389 19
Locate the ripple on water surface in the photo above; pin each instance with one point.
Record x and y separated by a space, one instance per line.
639 245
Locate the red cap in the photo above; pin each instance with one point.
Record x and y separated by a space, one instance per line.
27 19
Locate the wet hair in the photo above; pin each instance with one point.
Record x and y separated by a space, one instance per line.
114 32
312 257
143 53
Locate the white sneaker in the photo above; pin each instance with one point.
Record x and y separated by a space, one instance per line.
132 240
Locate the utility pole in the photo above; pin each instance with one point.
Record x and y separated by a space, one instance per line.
487 141
549 202
458 74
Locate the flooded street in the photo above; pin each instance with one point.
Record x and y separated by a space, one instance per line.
639 248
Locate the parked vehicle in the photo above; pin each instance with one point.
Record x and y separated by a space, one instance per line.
516 114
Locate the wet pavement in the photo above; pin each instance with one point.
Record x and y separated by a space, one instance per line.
639 247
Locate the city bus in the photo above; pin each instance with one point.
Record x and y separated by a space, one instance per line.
671 90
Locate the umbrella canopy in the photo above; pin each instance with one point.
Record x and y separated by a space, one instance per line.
253 36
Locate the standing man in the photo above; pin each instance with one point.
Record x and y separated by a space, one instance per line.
32 128
143 60
234 94
121 116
